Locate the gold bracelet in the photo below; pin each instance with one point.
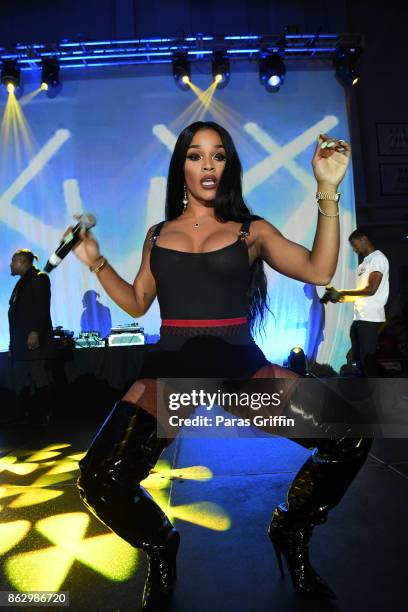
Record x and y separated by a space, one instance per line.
325 214
101 265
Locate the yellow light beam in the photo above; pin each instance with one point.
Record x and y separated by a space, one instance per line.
6 124
195 109
19 128
185 117
32 170
208 100
28 97
204 96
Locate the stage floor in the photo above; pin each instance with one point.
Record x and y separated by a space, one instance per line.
221 495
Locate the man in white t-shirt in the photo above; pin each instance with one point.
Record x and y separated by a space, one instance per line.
369 297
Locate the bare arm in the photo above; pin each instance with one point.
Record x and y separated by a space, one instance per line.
348 295
330 162
136 298
316 266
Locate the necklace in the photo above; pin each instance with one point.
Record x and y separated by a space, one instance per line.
198 223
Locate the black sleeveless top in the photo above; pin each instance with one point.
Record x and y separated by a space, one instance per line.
209 285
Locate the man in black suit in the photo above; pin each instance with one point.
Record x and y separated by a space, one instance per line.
31 339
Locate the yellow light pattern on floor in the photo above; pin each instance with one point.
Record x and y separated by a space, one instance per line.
107 554
12 533
28 496
204 514
47 568
11 464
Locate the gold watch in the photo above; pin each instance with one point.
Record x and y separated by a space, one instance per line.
324 195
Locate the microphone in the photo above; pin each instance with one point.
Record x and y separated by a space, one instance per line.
85 222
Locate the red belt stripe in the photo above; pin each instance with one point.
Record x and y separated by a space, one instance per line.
203 322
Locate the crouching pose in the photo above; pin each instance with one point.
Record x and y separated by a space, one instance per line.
205 265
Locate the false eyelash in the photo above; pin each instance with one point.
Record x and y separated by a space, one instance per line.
194 155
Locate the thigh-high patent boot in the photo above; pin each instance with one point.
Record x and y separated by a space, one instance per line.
340 420
319 486
119 458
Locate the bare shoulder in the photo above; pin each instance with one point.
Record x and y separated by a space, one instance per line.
260 228
151 230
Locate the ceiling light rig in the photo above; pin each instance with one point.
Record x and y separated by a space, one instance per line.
220 69
50 77
11 77
272 52
272 72
181 71
344 62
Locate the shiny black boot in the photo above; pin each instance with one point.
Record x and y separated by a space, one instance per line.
317 488
292 541
162 572
123 452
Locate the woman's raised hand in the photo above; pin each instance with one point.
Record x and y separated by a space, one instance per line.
330 160
87 250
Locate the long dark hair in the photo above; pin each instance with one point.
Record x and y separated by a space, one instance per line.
229 205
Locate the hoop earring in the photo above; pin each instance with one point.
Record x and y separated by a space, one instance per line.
185 199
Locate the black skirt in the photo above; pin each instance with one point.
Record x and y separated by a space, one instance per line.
204 352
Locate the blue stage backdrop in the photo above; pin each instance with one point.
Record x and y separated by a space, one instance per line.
103 145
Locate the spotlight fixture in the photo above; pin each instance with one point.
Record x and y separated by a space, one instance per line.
50 79
272 72
220 69
10 76
181 71
344 62
297 361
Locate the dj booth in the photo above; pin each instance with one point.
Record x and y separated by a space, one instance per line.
88 379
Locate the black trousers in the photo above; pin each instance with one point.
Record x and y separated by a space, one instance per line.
363 336
33 383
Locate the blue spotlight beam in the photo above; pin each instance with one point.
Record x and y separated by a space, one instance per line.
73 54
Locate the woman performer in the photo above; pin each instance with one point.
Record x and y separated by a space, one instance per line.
205 265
